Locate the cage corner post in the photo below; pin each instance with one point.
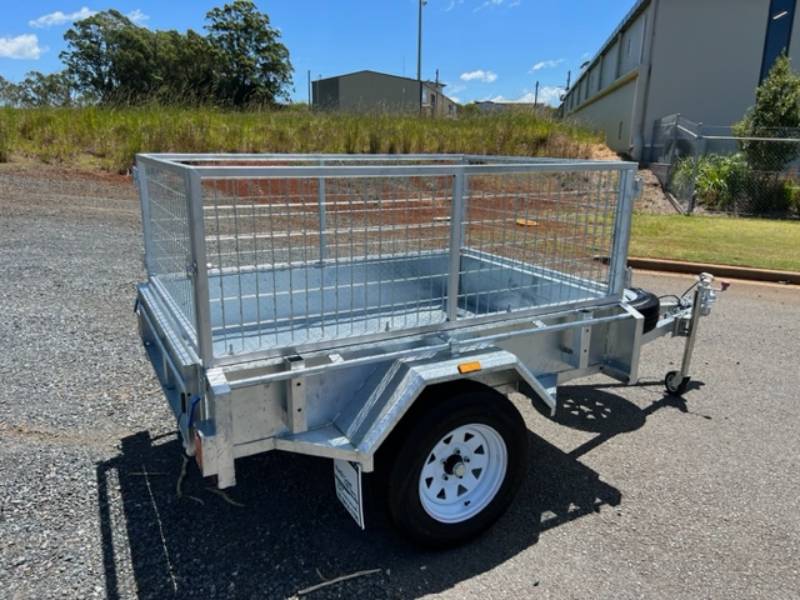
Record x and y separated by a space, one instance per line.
199 267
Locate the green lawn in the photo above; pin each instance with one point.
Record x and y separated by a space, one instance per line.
762 243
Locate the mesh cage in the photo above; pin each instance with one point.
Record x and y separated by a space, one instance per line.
168 243
311 252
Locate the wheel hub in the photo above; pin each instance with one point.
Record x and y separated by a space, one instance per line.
454 465
463 472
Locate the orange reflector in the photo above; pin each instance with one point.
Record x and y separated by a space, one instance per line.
469 367
527 222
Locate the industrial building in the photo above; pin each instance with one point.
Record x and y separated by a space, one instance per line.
702 59
370 91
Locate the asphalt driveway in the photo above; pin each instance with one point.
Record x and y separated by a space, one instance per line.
631 493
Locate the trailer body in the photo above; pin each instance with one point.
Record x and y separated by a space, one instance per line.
306 302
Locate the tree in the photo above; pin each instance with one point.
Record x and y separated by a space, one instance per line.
37 89
253 64
8 92
241 61
776 112
110 58
186 67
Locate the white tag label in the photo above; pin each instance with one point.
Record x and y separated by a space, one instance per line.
347 477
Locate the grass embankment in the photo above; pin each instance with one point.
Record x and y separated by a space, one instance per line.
110 137
760 243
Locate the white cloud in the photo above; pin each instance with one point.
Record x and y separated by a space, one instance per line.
60 18
548 94
452 4
547 64
137 16
496 3
479 75
23 47
454 88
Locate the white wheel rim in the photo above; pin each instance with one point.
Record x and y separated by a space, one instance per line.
463 473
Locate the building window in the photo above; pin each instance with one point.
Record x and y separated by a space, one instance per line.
779 33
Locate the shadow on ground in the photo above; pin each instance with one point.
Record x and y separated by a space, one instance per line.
290 531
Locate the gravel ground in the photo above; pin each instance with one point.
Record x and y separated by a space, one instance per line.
663 497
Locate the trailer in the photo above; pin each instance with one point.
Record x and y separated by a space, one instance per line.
377 310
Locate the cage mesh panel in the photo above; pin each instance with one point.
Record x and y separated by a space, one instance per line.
376 258
534 240
280 274
170 249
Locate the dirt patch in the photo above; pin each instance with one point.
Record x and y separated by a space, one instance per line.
36 169
653 199
602 152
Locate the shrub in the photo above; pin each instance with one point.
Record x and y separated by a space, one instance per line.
721 180
728 183
6 130
793 197
776 111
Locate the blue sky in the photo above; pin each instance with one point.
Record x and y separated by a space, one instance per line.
484 49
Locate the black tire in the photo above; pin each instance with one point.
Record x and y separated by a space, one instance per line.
647 304
676 388
430 426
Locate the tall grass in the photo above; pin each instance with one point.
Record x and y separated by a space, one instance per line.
110 137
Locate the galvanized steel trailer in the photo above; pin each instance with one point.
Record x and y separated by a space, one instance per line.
376 309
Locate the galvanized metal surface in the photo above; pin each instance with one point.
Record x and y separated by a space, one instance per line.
323 294
293 252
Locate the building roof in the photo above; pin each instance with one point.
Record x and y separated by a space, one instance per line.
627 20
427 82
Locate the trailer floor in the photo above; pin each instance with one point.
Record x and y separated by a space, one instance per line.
633 494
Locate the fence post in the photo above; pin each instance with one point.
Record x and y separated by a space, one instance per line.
653 139
674 144
699 152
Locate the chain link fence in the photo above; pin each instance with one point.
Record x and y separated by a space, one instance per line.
718 170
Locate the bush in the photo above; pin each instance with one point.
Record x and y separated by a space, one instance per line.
776 112
721 180
6 130
792 191
728 183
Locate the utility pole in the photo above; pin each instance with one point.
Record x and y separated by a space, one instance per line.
569 77
536 96
419 53
309 88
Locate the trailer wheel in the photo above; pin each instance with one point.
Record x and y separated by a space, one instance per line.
675 385
458 468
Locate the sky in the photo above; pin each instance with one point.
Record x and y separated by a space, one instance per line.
483 49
